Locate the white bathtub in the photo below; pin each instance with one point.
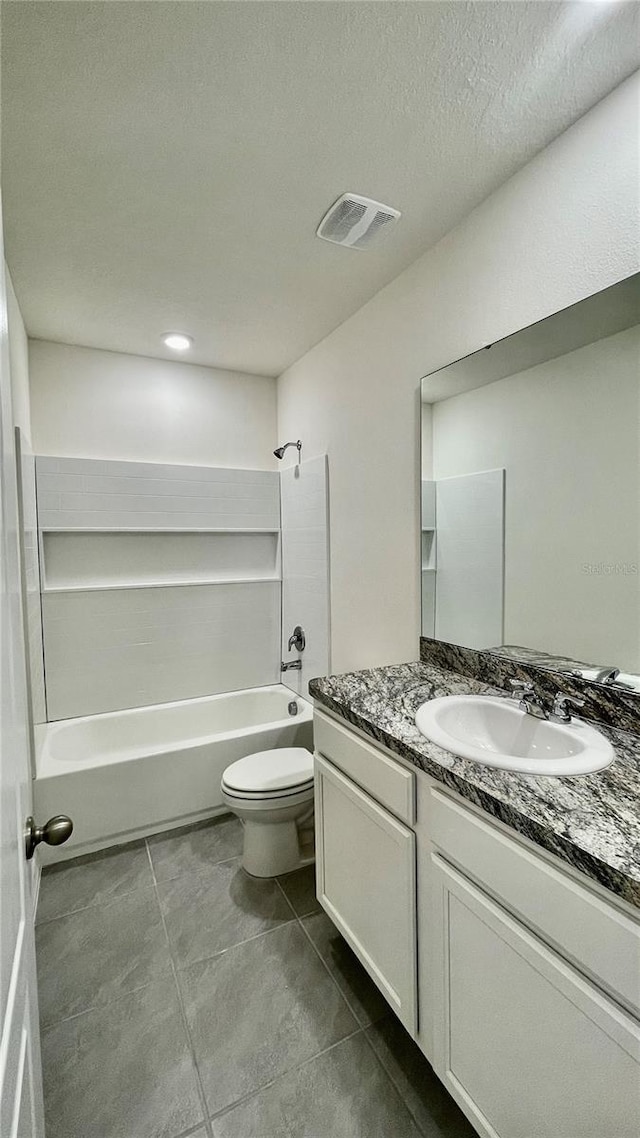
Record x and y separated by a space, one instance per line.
129 773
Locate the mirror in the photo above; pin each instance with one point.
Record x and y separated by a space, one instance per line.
531 493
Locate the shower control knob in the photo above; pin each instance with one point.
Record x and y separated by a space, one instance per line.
54 833
297 639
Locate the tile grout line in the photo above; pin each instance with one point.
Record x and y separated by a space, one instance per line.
295 915
300 918
294 920
329 972
361 1027
393 1082
140 843
69 864
93 905
258 1090
238 944
193 872
297 919
192 1130
284 1074
103 1007
174 972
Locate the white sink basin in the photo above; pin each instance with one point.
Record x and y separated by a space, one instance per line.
497 733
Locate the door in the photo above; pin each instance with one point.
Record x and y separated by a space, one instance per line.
522 1041
21 1111
366 879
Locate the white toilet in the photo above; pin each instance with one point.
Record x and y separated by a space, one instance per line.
272 793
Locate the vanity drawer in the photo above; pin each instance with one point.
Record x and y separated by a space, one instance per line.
384 779
597 937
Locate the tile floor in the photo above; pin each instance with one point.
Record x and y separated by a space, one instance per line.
178 996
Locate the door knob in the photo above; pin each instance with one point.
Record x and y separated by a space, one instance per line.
54 833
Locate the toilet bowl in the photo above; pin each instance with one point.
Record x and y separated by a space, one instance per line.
272 793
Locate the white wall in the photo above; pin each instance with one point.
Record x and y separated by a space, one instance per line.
88 403
19 362
563 227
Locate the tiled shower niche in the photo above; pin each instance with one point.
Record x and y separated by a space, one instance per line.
155 578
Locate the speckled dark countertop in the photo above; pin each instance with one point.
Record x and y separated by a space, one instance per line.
590 821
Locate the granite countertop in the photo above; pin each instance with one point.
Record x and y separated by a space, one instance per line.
590 821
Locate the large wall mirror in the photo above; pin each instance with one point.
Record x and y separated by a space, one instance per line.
531 492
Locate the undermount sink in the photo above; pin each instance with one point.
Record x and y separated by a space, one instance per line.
498 733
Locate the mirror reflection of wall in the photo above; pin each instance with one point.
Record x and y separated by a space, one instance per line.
554 411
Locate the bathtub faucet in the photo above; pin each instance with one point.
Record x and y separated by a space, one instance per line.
291 666
297 639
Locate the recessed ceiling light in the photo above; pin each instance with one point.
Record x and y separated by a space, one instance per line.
177 341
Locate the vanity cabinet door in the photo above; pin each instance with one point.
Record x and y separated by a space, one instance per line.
523 1043
366 882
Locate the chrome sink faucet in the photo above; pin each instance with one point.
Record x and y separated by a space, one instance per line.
530 701
560 714
532 704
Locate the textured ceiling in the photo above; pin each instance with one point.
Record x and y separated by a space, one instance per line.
165 165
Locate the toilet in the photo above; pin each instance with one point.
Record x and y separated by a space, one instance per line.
272 793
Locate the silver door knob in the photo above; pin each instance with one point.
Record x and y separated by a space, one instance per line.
54 833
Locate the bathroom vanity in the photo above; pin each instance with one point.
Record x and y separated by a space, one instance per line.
498 913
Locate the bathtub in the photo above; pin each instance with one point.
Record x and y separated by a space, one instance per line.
126 774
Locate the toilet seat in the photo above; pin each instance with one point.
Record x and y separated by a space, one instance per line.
268 795
278 773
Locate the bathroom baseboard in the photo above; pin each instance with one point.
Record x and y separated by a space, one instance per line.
66 854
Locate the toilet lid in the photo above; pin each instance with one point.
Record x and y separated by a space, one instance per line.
278 769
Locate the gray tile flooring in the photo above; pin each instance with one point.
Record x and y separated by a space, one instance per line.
180 997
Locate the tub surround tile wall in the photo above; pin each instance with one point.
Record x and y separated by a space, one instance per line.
121 648
591 822
604 703
163 582
124 626
304 490
29 549
85 560
81 493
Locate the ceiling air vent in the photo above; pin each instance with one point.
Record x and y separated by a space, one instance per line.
355 221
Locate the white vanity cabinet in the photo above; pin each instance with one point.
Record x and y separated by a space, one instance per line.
366 860
528 975
536 987
523 1043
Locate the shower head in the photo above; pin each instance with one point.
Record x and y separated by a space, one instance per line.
279 451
